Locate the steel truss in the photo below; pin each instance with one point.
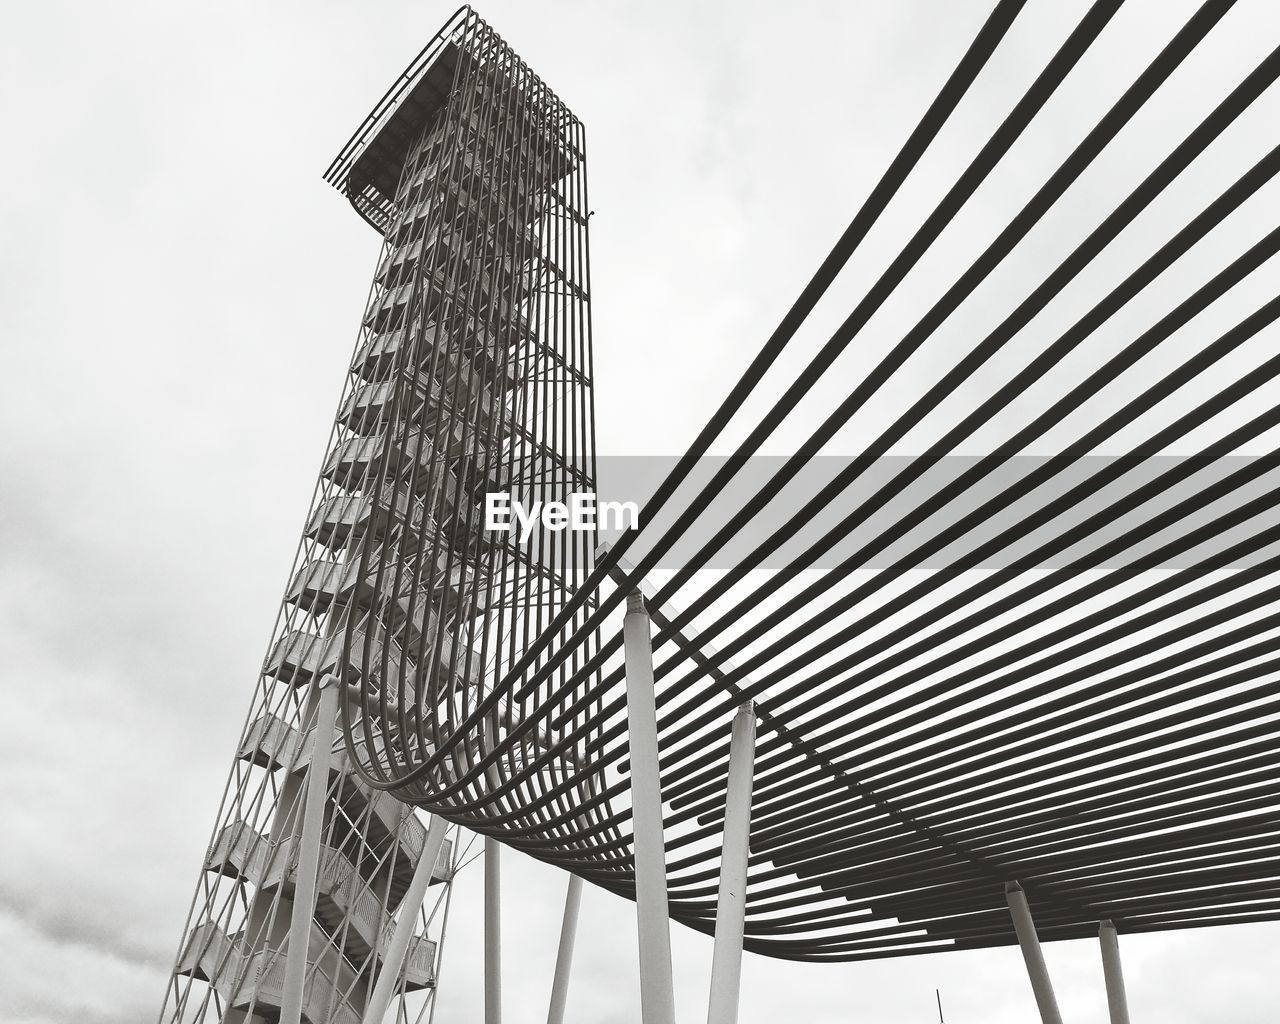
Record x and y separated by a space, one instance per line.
1091 724
952 728
479 300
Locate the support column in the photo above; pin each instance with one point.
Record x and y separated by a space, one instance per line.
657 994
564 957
731 902
1113 976
304 890
1025 928
492 931
393 958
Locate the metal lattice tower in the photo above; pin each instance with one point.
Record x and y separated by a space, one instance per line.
472 372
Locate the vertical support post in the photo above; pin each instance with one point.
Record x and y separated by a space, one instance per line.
1025 928
492 931
564 957
1113 976
731 902
393 958
657 993
304 888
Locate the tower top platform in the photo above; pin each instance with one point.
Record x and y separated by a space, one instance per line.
367 170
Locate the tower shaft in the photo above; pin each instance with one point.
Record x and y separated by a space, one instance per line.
471 374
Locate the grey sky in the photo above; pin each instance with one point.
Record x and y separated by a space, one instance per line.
179 296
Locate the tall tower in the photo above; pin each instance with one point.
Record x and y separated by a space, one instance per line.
471 374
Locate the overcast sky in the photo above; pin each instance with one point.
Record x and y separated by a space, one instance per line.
179 297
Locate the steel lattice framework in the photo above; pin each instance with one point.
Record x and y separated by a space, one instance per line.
472 370
1054 676
1093 719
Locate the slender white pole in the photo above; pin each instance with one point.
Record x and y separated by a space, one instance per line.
564 958
492 931
304 888
657 994
406 919
1113 976
1025 928
731 903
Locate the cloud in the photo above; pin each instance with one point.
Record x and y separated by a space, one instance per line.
54 979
